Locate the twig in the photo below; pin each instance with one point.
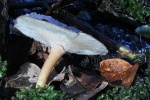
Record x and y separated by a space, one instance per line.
30 5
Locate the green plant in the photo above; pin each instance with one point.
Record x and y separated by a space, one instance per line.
3 67
46 93
137 11
137 92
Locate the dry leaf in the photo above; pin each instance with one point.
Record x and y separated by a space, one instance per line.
32 49
59 77
40 50
90 81
91 93
71 85
129 79
72 79
27 75
117 72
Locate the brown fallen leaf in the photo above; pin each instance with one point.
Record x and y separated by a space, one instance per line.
129 79
71 85
72 79
118 72
27 75
90 81
91 93
40 50
59 77
32 49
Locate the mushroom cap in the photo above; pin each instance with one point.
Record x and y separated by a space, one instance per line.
118 72
144 30
53 35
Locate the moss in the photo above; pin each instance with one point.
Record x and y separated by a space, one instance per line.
46 93
137 92
137 11
3 67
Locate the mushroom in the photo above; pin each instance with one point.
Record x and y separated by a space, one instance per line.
61 40
143 30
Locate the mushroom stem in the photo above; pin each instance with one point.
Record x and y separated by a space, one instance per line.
54 56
